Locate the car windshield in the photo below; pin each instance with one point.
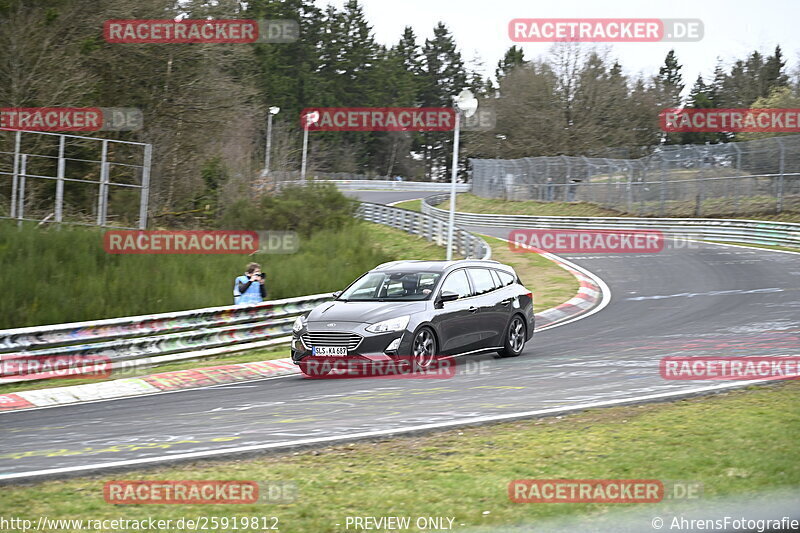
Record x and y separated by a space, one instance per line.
391 286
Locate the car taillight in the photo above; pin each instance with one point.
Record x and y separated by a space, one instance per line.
530 295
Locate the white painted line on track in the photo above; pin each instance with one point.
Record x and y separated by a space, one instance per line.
378 433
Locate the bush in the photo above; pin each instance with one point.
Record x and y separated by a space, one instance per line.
304 209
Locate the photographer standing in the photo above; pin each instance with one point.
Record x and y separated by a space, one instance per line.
250 288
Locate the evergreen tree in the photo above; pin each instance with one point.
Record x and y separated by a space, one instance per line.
513 58
772 74
443 77
670 81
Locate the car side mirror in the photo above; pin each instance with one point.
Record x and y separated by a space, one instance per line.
336 294
447 296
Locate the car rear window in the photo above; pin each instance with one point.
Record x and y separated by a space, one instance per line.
505 277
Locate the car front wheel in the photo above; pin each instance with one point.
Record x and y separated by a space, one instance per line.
423 349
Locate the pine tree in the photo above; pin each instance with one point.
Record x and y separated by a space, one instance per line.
772 75
443 77
513 58
670 80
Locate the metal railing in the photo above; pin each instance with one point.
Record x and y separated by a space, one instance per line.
430 228
382 185
732 230
50 175
166 337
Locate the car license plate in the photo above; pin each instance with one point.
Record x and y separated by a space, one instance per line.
329 351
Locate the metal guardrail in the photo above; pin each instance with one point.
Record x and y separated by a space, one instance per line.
139 340
732 230
426 226
385 185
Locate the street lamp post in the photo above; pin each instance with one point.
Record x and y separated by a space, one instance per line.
467 103
272 111
308 120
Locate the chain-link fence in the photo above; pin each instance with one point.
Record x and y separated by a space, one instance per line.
732 179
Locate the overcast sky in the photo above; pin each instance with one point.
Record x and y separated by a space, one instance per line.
733 28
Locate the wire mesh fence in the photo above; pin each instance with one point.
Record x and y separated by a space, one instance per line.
732 179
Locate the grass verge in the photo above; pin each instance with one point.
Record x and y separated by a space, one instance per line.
470 203
411 205
735 443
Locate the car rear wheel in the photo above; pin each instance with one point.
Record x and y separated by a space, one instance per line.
423 349
314 369
514 339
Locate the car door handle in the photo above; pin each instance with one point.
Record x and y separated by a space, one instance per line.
472 309
507 301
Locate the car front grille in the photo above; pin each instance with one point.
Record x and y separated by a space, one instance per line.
331 338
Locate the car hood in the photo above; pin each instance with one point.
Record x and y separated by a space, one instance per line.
363 312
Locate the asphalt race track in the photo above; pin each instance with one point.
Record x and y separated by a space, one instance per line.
705 300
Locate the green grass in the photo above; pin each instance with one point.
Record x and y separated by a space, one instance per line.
50 276
735 444
400 245
469 203
411 205
712 208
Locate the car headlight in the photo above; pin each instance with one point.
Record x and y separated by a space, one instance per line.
299 323
393 324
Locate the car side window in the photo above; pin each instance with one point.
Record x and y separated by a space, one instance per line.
505 277
482 280
458 283
496 279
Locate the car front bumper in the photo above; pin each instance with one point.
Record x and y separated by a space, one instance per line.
370 346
